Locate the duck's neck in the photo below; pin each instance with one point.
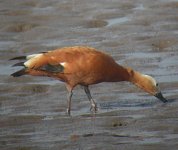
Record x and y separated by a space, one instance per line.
120 73
128 74
144 82
135 77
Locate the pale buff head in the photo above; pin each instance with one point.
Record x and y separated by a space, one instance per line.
148 84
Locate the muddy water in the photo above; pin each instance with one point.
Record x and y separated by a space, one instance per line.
140 34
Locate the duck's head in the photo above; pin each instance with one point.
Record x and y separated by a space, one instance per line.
149 84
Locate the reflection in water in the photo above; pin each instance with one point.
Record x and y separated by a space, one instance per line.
126 105
117 21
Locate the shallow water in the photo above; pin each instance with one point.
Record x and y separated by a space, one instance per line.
140 34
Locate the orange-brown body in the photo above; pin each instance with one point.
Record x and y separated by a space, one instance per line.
84 66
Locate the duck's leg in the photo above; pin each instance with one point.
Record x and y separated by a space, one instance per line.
69 98
92 102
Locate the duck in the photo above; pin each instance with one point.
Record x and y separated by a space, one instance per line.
84 66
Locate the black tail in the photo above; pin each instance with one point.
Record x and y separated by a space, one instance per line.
18 58
19 73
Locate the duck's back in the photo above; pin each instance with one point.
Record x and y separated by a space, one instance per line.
74 65
83 65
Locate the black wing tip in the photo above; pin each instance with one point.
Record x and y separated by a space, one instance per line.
19 64
19 73
18 58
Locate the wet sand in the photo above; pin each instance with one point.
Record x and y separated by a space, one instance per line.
140 34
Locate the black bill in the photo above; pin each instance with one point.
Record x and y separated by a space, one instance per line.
160 97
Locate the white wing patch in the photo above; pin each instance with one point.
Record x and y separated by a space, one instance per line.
32 56
63 64
31 59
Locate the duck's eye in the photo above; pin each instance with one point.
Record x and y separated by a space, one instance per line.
156 84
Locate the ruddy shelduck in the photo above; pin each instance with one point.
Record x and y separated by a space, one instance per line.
80 65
